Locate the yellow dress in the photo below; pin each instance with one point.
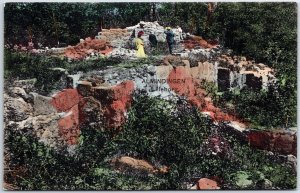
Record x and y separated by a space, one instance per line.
140 48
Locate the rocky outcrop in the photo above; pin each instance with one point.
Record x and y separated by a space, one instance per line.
56 120
102 102
237 72
16 109
43 127
224 71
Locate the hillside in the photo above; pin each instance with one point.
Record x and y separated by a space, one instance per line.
93 115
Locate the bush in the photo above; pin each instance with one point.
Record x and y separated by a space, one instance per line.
273 108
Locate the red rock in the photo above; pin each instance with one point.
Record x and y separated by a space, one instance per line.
115 102
69 126
86 47
207 184
121 100
203 43
181 82
123 91
65 100
277 141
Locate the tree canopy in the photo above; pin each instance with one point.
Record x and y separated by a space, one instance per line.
265 31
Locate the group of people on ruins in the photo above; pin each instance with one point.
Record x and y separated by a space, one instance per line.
139 43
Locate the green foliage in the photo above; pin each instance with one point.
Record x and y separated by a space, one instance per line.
268 109
264 31
153 126
46 169
242 179
190 16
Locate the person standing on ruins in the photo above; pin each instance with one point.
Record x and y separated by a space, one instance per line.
170 39
179 30
140 46
152 40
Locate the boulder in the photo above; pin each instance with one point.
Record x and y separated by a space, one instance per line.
68 126
207 184
65 99
280 141
42 104
18 92
27 85
44 127
16 109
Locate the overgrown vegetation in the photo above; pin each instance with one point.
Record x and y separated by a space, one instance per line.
157 132
267 109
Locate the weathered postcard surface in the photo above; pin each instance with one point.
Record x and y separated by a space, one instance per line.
150 96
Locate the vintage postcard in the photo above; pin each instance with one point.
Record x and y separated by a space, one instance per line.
150 96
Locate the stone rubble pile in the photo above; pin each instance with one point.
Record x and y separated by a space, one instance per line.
100 99
175 77
117 37
119 43
87 47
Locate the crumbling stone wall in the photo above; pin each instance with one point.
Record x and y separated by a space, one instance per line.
225 71
56 120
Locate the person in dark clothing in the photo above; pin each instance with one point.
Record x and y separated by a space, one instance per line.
153 40
170 39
